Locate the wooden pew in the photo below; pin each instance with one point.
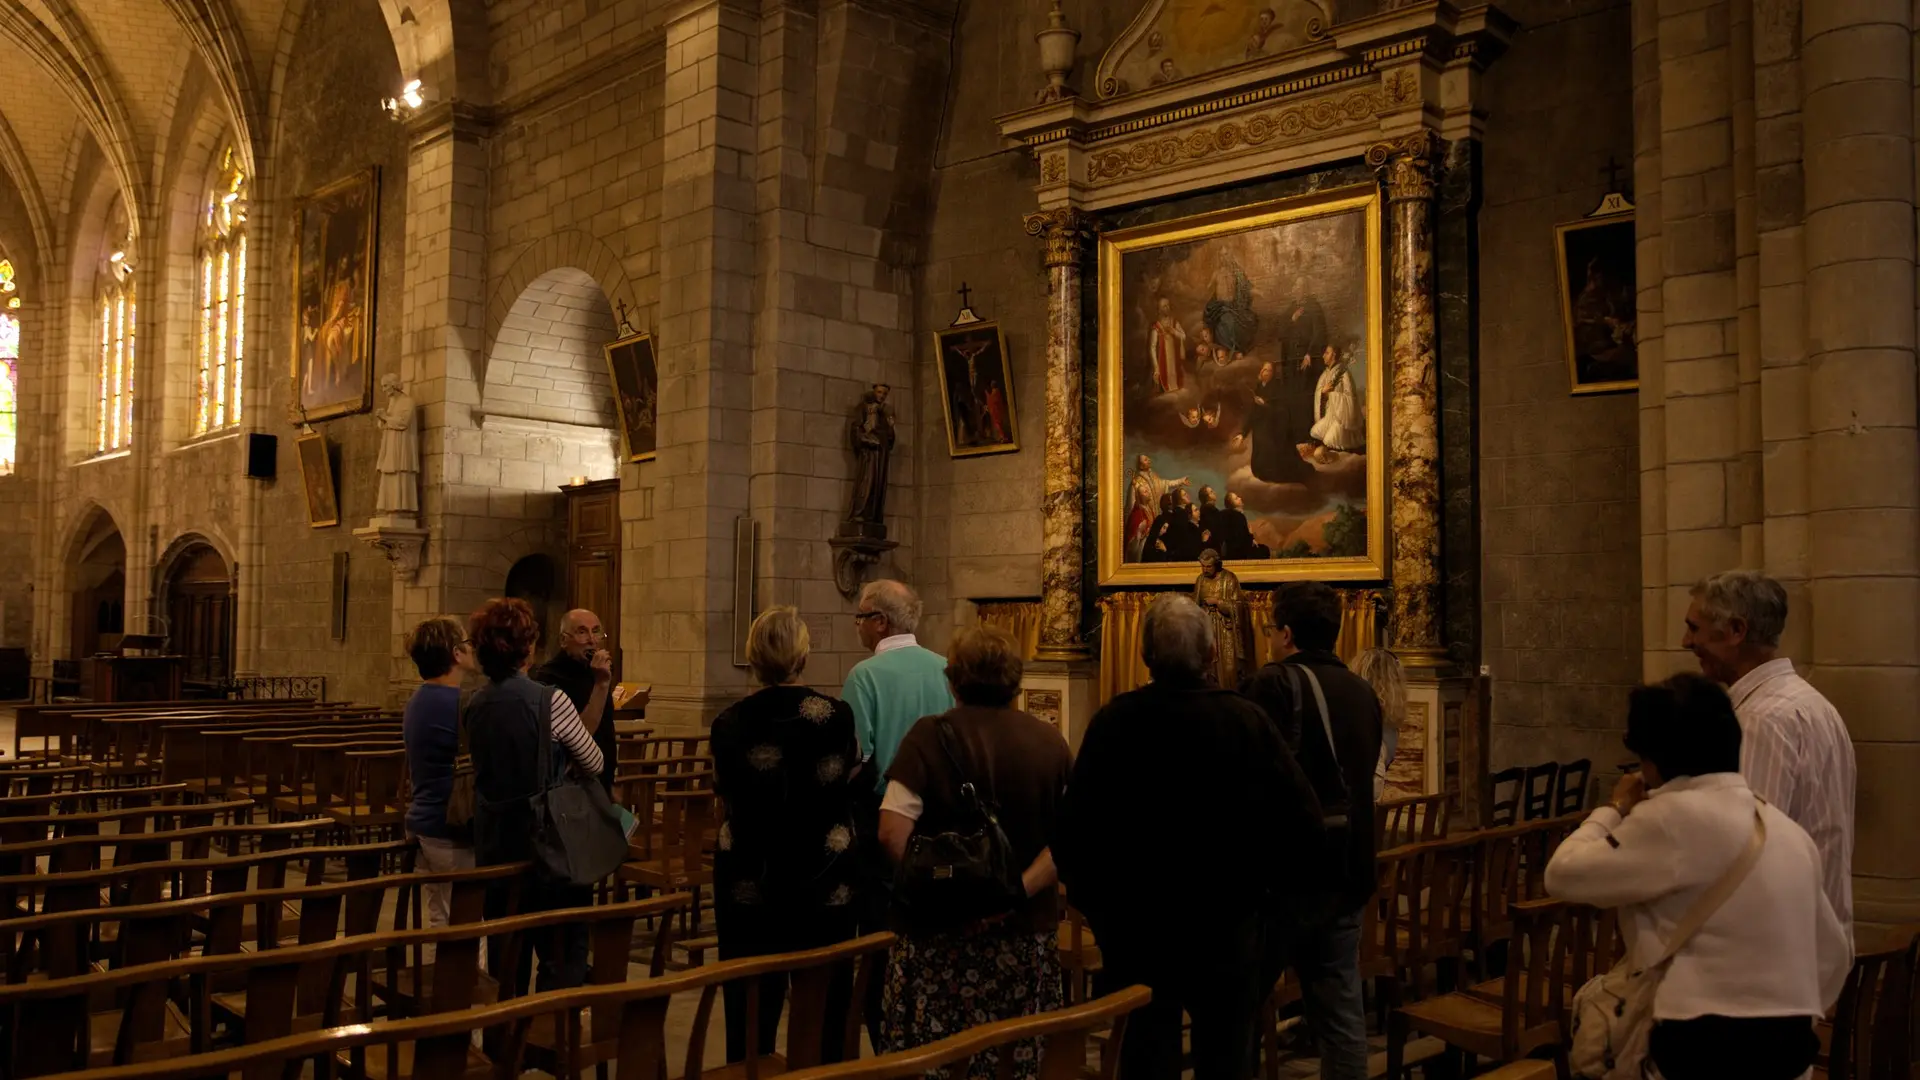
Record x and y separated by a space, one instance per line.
172 879
69 853
66 943
164 1010
87 800
131 819
51 723
630 1016
43 779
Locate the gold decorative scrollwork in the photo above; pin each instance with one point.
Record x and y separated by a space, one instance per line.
1065 231
1054 168
1408 164
1152 155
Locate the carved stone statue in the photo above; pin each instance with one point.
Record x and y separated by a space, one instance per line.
871 433
399 462
1217 591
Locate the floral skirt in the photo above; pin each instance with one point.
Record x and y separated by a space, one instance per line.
942 984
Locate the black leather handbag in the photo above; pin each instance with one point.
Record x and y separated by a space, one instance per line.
960 876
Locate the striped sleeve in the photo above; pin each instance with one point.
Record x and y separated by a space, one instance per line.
1768 760
572 734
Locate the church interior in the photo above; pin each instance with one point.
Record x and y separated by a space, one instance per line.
321 318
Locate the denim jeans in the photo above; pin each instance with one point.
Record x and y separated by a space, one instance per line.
1327 960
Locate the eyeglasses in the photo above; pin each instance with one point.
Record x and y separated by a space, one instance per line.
589 632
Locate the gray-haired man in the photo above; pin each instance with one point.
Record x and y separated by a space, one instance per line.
1794 749
1185 809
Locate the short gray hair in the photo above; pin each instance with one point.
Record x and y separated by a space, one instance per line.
1177 638
894 599
1750 596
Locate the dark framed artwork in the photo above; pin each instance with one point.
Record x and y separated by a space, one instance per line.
1595 259
1242 396
976 390
636 384
335 231
316 478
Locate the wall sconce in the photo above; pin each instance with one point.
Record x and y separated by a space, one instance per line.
120 264
412 97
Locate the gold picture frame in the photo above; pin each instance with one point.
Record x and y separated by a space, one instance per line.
976 390
636 394
336 233
316 479
1600 319
1321 517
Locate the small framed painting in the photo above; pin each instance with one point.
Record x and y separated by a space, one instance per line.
316 474
334 239
976 387
636 383
1595 258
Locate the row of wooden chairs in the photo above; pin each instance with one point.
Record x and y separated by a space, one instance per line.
1539 792
624 1025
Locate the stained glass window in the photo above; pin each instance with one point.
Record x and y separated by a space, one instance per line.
9 370
220 356
115 408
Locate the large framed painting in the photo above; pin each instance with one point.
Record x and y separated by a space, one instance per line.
1243 394
316 479
335 232
1595 257
976 389
636 385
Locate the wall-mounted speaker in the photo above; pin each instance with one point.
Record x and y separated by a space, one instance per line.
263 455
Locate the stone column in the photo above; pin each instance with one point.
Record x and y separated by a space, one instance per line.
1857 78
1062 530
1407 165
1657 636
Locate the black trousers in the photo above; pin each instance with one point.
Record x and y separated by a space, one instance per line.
761 931
1215 982
562 950
1723 1047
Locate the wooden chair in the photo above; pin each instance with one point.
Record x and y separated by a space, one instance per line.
440 1046
1538 790
679 861
1873 1025
1492 889
1421 923
1507 785
68 853
1572 794
1409 820
126 820
89 800
1528 1017
1079 952
377 793
1063 1035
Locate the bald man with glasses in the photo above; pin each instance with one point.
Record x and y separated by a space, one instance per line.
582 669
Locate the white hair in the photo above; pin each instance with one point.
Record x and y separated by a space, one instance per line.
894 599
1749 595
1177 639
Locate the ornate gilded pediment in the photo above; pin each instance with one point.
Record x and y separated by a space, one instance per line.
1171 40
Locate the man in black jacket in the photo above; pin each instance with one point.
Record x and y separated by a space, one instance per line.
1184 816
1311 695
582 669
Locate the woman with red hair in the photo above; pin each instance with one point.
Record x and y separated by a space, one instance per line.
506 721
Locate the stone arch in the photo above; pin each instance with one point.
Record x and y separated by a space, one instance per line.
443 43
93 579
181 546
172 350
197 612
569 249
547 362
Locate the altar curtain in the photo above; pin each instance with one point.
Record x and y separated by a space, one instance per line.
1123 617
1019 618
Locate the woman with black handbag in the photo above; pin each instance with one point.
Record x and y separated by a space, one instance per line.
968 816
506 720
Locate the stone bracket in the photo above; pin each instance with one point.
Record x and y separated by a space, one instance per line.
400 540
851 557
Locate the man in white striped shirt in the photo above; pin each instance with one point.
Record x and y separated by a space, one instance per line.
1795 750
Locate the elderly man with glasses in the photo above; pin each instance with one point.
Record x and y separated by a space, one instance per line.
582 669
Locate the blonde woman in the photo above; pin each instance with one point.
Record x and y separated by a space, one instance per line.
785 865
1381 669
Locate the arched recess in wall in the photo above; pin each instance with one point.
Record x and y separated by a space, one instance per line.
96 583
194 592
537 580
546 377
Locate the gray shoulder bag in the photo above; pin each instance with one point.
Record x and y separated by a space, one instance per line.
578 837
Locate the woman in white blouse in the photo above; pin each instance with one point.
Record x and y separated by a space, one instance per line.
1740 997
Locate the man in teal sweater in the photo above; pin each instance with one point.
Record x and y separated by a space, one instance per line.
900 683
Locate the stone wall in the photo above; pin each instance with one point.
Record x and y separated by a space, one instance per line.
18 491
1558 472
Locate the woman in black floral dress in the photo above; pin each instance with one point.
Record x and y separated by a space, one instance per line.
784 869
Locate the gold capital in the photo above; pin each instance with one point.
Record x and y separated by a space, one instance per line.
1408 164
1065 230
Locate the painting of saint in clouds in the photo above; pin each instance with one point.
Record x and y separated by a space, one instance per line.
1242 394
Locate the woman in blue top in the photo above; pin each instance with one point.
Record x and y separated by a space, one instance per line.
443 656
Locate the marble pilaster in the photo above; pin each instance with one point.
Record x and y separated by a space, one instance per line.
1407 166
1064 231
